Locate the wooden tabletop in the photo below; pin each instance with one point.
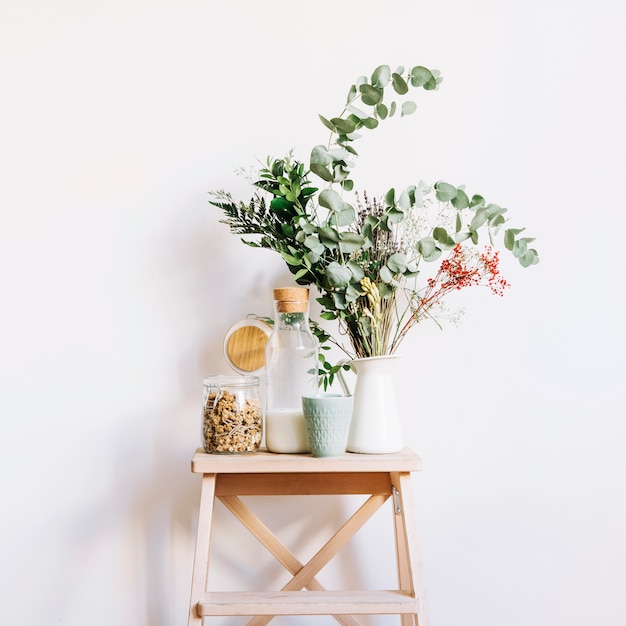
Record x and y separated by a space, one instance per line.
264 462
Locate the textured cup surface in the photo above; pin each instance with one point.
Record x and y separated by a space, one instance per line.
328 423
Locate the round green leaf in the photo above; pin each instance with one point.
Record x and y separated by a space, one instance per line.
370 95
397 263
399 84
344 127
509 239
444 191
321 156
370 122
479 219
328 236
420 76
408 107
390 197
330 199
460 201
357 271
313 243
350 242
338 275
381 76
386 275
427 246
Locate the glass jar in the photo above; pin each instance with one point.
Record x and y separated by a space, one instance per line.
232 418
291 371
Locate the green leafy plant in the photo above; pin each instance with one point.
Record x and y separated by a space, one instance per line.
369 257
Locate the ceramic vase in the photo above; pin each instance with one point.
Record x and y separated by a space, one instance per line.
375 426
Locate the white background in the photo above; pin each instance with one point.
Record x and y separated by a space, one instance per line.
118 285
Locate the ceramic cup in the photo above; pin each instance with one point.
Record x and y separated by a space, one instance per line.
327 419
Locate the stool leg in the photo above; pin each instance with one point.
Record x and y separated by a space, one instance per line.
203 541
410 574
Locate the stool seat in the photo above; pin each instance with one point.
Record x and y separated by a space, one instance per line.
382 476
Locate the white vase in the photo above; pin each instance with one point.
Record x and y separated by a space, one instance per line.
375 427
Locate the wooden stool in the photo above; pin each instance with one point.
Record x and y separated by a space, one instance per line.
383 476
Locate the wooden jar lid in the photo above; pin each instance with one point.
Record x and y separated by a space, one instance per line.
244 345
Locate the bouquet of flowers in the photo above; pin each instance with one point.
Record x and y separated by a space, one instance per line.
369 258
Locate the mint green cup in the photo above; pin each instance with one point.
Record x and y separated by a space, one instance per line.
327 418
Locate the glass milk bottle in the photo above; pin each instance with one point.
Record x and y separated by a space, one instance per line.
291 371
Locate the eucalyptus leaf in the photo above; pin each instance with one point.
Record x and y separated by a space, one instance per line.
330 199
496 221
431 84
312 258
328 235
404 201
427 246
352 294
399 84
357 112
397 263
382 111
313 243
381 76
370 122
338 275
440 234
350 242
390 197
343 126
420 76
386 275
346 216
339 300
479 219
520 248
529 258
477 201
327 123
321 156
444 191
357 271
370 95
460 200
322 172
408 107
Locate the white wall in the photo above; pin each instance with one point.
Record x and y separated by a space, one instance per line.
118 284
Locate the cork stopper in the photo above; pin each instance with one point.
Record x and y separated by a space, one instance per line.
291 299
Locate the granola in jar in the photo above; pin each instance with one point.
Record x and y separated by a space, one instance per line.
232 419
